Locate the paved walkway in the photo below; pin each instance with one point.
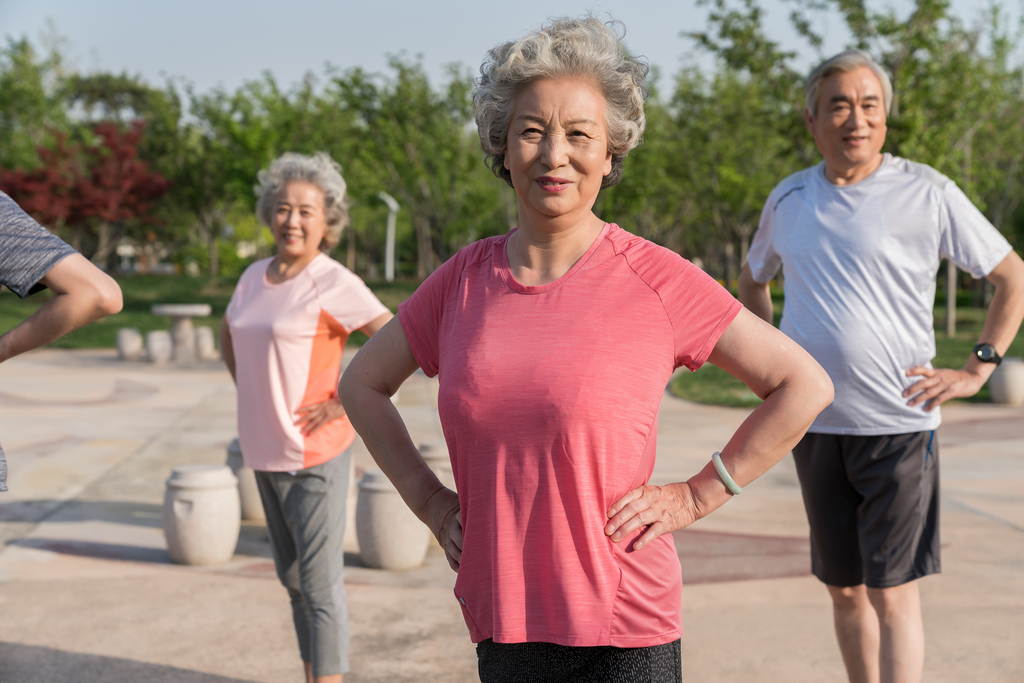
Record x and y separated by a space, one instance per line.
88 593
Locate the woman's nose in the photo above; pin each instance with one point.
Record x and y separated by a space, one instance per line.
554 151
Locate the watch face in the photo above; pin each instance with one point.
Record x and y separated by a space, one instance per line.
986 353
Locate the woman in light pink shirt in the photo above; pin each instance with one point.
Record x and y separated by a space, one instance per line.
282 339
553 345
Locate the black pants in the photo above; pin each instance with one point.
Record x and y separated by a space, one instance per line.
550 663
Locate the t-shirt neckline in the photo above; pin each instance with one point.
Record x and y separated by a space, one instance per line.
886 161
268 283
506 270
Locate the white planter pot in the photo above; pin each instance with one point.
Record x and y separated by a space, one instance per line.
158 346
201 514
248 491
390 535
1007 382
129 343
435 453
206 346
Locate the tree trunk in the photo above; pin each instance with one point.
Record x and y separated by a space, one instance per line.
510 203
730 265
106 243
214 258
950 299
424 262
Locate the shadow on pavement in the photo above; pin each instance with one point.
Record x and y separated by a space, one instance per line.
32 664
120 512
714 557
101 551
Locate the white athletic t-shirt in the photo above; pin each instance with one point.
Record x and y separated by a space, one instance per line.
860 264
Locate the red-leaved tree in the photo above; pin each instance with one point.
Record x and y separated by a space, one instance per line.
95 190
48 192
117 185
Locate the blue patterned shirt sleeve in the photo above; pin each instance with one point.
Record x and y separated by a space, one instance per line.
27 250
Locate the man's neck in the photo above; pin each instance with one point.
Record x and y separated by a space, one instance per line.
851 175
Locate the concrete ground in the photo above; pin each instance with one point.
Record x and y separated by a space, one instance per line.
88 592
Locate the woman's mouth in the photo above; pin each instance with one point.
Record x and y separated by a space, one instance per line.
553 184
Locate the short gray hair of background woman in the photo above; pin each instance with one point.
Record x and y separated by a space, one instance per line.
845 62
583 48
318 169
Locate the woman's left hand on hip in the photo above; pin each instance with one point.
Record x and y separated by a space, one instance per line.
661 509
316 415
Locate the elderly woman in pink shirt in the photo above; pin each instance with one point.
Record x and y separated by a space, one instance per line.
553 345
282 339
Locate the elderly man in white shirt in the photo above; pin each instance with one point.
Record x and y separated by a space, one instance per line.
861 236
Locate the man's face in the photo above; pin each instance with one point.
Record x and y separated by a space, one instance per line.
849 124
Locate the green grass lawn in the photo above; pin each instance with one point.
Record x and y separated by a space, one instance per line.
717 387
142 291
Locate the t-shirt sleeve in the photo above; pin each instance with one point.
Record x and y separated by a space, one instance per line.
967 238
27 250
348 300
698 308
762 258
421 315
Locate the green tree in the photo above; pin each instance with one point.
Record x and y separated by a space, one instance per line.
31 102
419 145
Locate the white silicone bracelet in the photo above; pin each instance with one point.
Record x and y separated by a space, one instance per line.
716 459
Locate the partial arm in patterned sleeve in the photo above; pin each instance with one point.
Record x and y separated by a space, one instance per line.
83 294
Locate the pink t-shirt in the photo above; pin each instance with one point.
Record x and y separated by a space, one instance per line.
288 339
549 400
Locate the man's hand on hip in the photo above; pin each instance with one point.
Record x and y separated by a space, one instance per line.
941 384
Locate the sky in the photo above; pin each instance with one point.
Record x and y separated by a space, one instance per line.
223 43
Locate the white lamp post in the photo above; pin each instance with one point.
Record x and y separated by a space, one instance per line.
389 248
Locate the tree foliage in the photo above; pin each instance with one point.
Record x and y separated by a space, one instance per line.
106 157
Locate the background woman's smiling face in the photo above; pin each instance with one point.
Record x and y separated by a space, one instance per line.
299 220
557 150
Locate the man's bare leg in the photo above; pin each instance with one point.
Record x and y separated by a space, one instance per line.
310 678
857 630
901 645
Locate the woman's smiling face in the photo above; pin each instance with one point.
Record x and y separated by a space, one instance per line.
557 151
299 220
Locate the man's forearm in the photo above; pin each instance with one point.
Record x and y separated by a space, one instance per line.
58 316
1005 313
82 293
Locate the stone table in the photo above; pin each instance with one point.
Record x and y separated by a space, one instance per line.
182 332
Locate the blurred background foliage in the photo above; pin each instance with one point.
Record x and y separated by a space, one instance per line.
717 141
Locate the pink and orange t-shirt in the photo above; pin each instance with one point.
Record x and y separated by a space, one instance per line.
549 400
288 339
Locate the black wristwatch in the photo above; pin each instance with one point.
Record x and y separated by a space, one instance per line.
987 353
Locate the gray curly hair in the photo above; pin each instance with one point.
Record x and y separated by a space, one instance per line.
319 170
578 48
844 62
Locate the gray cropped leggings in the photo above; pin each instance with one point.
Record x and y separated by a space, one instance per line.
306 522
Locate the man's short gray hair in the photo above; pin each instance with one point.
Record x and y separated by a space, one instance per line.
583 48
845 62
319 170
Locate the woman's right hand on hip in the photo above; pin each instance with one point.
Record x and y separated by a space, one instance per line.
444 521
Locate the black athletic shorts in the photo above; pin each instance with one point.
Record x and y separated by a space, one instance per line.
873 506
550 663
